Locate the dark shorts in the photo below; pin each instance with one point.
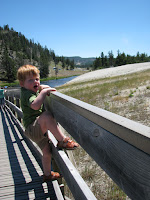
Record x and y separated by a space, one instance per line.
34 132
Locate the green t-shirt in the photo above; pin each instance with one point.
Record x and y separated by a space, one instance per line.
29 115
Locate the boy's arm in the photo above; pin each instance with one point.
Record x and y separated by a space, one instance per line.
43 87
36 104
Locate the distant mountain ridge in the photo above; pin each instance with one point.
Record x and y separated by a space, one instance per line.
79 61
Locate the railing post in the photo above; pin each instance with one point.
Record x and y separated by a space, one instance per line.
18 105
10 99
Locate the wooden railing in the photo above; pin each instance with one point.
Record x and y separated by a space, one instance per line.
121 147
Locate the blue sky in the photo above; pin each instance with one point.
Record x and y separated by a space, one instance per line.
81 27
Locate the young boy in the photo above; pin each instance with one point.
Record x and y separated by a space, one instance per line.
36 120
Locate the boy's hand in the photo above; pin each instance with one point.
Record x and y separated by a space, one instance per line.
50 90
43 87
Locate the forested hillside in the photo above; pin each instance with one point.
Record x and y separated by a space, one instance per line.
105 61
16 50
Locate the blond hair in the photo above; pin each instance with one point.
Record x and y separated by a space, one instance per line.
25 71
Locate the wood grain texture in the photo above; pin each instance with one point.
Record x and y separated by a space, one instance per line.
130 131
127 165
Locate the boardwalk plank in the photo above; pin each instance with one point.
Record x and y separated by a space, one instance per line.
20 172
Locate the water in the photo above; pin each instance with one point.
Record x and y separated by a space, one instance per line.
58 82
51 83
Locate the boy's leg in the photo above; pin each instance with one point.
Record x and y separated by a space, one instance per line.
47 122
46 160
34 132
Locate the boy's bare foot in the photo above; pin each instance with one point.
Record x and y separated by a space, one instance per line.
67 144
53 176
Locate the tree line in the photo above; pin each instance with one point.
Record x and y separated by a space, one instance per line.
16 50
105 61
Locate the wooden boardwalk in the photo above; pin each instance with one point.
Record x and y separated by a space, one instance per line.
121 147
20 172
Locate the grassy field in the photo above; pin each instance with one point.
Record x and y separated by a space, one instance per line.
128 96
128 92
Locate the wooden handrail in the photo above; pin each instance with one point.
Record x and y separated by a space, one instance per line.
130 131
119 145
75 182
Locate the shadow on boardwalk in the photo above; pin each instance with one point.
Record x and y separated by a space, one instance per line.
22 167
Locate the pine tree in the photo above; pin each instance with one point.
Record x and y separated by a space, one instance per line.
102 58
9 65
97 63
111 58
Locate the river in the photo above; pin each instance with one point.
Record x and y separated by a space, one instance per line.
57 82
51 83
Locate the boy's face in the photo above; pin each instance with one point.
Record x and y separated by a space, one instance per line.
32 82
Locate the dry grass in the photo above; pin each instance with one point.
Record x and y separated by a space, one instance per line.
127 96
